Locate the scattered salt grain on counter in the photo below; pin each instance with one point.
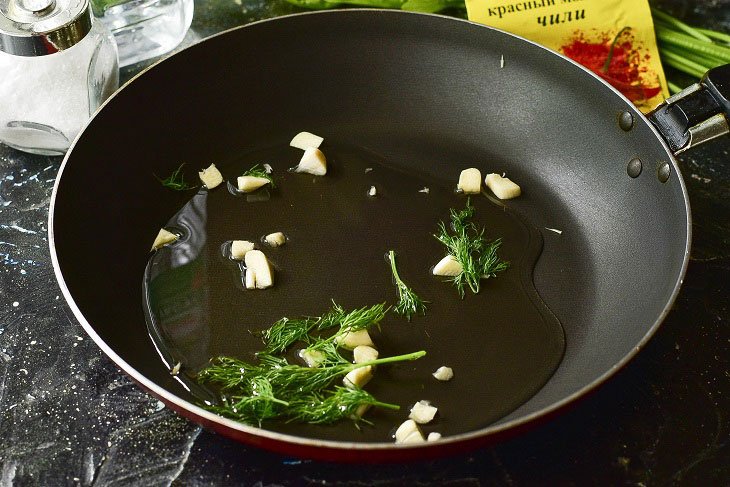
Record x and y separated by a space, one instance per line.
15 304
501 61
444 373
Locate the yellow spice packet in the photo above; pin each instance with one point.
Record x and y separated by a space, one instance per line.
613 38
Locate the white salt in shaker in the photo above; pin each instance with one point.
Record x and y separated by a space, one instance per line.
57 65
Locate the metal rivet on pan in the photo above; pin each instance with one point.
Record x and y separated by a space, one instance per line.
634 167
663 172
626 121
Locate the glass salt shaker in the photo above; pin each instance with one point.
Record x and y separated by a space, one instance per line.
145 29
57 65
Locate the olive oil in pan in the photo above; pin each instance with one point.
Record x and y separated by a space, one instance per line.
503 343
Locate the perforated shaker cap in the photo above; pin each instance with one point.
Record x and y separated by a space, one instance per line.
41 27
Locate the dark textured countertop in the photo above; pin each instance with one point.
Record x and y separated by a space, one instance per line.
69 417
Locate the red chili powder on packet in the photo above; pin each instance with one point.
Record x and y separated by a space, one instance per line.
617 60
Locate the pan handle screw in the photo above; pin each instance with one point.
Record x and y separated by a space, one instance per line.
634 167
626 121
663 172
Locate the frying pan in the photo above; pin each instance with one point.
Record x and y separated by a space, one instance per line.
424 90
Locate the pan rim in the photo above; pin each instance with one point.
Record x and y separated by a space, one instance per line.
491 430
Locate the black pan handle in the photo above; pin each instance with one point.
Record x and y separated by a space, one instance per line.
697 114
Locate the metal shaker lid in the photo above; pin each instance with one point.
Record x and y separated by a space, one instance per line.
40 27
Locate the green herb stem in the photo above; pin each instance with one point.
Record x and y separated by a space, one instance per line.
718 36
679 25
176 180
409 303
689 43
673 89
683 64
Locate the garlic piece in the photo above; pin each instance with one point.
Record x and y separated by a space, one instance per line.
312 162
415 437
211 177
372 191
276 239
424 190
246 184
503 188
313 358
239 248
259 274
364 353
304 140
268 168
361 410
433 436
444 373
163 237
358 377
354 339
408 430
448 266
422 412
470 181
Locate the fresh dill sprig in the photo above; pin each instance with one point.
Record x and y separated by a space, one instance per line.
477 256
285 332
258 172
349 322
340 404
409 303
176 180
277 389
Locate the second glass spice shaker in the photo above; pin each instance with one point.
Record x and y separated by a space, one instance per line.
145 28
57 66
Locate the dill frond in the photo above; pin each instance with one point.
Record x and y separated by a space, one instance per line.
409 303
259 172
477 256
279 390
340 404
176 180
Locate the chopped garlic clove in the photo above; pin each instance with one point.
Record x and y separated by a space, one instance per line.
163 237
304 140
362 409
259 273
424 190
433 436
372 191
275 239
246 184
422 412
364 353
355 338
448 266
358 377
415 437
239 248
313 358
312 162
444 373
210 177
407 429
470 181
503 188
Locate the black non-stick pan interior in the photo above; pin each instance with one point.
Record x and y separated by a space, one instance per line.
430 96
